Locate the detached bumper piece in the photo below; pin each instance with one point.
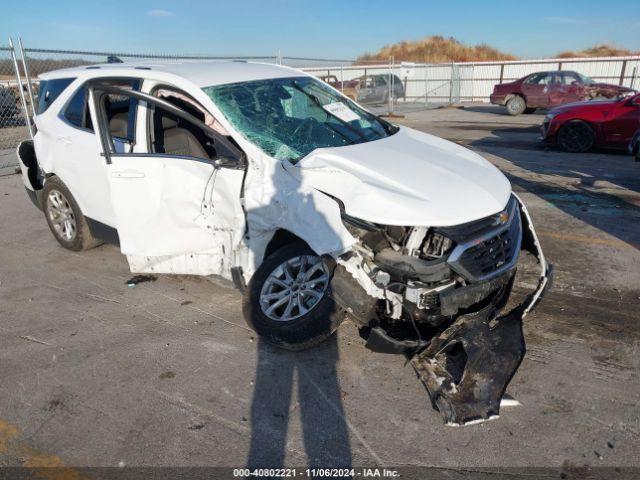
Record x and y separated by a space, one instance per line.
466 369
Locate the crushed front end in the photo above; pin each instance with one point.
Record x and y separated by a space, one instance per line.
436 296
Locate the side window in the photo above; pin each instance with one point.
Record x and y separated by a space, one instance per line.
380 81
77 111
174 135
366 82
121 111
49 90
567 78
539 79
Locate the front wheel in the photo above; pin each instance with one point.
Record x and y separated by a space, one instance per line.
288 300
576 136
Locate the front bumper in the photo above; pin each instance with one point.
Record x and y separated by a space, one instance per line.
467 367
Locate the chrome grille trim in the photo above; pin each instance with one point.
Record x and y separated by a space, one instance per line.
460 264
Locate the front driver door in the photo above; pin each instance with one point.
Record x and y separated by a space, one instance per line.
176 211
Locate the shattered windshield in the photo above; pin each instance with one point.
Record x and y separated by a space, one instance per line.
290 117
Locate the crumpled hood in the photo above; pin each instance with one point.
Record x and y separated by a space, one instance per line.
610 86
409 178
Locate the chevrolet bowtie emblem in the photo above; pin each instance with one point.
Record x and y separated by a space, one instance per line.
501 218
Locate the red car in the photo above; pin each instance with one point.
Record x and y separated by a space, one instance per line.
579 127
548 89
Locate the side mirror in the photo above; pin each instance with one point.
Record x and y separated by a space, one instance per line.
634 102
228 162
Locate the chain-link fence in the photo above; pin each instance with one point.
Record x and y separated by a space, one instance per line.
12 119
387 88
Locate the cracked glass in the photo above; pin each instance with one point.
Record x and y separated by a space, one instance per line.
288 118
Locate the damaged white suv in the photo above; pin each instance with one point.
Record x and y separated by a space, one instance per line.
315 208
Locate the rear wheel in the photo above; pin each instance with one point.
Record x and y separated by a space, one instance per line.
288 300
576 136
516 105
64 217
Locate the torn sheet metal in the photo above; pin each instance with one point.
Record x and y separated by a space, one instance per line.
363 274
466 369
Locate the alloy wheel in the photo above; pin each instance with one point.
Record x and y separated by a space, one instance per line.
61 215
576 137
294 288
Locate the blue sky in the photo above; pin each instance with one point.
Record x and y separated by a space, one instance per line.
324 28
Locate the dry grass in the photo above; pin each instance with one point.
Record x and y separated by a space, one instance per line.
436 49
598 51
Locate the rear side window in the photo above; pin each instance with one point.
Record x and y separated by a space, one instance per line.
50 90
121 112
77 113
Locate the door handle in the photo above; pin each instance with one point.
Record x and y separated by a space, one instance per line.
128 174
65 140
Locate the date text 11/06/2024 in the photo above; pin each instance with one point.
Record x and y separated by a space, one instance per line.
316 472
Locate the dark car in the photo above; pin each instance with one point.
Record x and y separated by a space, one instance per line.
548 89
8 106
581 126
348 87
634 145
375 88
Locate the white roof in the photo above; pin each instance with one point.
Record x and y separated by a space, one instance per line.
202 73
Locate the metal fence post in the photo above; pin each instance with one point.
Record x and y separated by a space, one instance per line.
622 72
390 96
19 79
26 76
426 83
451 85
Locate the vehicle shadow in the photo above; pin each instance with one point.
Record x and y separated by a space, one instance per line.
586 196
500 110
319 403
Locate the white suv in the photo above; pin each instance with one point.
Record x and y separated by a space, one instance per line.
315 208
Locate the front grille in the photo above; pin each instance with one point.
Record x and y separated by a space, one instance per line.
492 253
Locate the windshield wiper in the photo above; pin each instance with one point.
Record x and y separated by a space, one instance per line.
315 100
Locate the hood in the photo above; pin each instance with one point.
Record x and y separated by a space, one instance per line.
610 86
586 105
409 178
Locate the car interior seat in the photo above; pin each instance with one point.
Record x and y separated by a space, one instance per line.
180 141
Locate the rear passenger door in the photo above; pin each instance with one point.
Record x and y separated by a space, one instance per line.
178 203
76 150
536 89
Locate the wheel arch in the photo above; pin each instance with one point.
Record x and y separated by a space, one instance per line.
281 238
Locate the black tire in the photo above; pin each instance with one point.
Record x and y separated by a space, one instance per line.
529 111
306 331
576 136
81 238
516 105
